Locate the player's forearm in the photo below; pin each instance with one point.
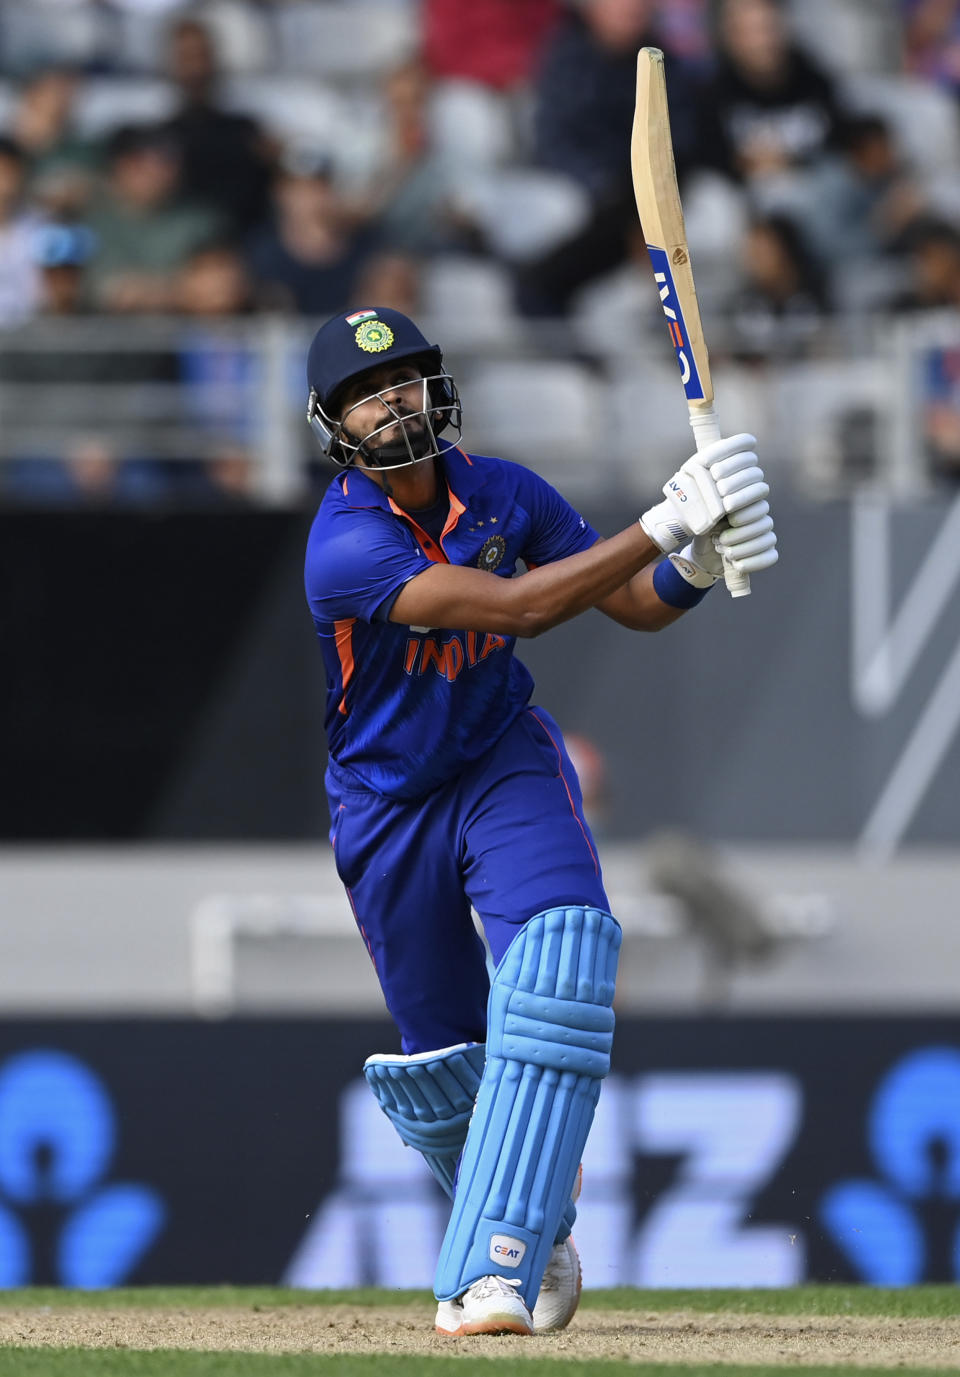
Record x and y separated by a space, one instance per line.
557 592
459 598
638 606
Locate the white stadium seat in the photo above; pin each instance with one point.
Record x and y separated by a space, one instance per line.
924 118
345 40
103 103
470 299
522 212
547 415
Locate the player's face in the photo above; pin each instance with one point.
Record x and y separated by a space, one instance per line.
394 389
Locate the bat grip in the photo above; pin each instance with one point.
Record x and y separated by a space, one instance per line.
706 429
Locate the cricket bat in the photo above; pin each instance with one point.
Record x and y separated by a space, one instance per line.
661 218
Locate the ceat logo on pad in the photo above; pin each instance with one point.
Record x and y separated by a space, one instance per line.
503 1248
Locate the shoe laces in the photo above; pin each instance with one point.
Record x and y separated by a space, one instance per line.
494 1286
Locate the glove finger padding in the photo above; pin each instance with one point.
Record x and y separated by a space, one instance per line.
724 468
727 448
745 497
747 515
736 482
756 563
767 541
752 564
734 536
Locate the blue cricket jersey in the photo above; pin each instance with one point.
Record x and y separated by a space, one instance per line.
408 707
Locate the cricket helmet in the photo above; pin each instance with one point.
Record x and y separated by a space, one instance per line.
354 343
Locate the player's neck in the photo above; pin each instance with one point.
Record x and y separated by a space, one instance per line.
414 488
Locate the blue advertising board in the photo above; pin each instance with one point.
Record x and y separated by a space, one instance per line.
726 1152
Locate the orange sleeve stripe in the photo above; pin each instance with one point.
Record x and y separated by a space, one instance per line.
343 632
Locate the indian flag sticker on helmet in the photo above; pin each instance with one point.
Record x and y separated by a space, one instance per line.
357 316
373 336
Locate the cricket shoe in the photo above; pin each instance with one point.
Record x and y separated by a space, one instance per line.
492 1305
560 1289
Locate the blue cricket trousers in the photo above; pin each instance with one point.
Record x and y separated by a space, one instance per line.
507 836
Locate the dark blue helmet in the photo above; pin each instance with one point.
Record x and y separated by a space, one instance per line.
356 342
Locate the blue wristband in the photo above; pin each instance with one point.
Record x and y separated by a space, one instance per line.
672 588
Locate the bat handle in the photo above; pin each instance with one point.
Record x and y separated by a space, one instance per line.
706 429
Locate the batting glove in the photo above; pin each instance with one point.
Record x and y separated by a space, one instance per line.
721 479
749 542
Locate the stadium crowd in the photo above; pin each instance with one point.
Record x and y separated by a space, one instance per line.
470 163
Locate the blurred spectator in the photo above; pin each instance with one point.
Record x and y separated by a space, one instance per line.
940 412
219 373
390 279
931 40
781 301
769 108
145 230
857 204
19 274
307 259
61 162
214 281
685 31
933 250
586 89
494 42
224 157
585 96
91 473
405 198
62 253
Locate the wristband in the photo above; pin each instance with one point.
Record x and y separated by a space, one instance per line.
672 588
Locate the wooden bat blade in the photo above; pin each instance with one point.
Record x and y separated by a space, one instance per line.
661 217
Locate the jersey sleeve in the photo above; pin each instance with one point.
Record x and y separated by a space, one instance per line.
354 566
556 528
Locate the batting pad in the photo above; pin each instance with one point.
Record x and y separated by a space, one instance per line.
549 1034
429 1098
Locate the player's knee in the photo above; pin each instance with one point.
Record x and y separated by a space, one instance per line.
550 1003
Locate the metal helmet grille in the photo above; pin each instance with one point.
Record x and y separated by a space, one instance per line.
439 410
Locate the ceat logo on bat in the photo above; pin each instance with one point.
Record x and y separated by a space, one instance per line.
663 276
503 1248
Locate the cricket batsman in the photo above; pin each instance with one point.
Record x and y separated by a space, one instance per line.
449 789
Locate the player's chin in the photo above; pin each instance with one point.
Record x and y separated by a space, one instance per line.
406 447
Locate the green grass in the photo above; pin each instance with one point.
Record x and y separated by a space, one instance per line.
75 1362
916 1301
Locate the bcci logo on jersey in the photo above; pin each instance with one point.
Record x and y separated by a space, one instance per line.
491 553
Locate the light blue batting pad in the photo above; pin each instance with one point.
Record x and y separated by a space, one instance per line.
549 1034
429 1098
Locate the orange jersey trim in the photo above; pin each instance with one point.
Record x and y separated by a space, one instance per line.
343 634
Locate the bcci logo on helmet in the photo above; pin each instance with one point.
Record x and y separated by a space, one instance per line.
373 336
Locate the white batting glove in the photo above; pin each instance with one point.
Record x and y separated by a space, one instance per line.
699 563
721 479
749 542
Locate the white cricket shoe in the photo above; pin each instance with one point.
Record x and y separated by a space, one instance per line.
492 1305
560 1289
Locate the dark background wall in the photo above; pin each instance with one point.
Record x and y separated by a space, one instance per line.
160 680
